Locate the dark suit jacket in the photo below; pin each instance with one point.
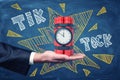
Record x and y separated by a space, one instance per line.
14 59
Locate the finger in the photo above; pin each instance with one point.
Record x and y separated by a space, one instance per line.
60 57
63 58
76 56
56 61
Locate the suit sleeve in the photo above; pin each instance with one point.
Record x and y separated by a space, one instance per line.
14 59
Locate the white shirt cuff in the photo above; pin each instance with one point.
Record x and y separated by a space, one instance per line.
31 58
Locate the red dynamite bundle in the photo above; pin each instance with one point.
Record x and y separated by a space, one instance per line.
64 32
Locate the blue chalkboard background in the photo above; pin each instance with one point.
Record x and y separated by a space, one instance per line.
101 63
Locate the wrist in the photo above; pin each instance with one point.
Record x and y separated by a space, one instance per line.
37 58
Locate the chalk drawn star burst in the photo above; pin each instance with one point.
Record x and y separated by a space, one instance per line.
81 20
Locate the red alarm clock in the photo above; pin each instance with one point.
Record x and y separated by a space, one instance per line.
64 32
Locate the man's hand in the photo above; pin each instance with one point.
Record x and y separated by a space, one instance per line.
50 56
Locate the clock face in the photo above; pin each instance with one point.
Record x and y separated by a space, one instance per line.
63 36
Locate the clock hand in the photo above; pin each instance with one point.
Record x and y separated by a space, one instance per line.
61 34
